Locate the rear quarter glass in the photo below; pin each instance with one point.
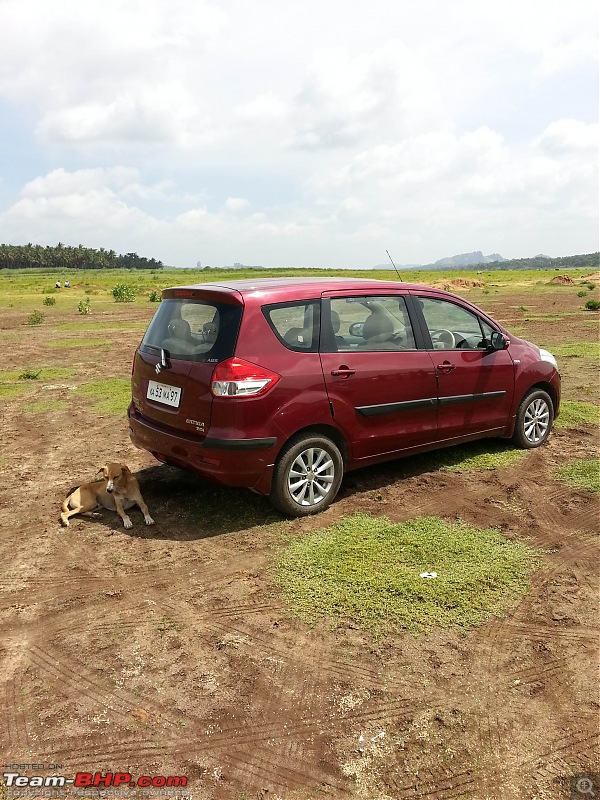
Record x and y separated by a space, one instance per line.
193 330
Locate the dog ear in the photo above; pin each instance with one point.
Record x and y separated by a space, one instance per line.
101 473
125 469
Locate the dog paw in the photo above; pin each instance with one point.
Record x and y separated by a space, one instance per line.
128 523
149 521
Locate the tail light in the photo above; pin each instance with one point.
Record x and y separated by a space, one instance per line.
238 378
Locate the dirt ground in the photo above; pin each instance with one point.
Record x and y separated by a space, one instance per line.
167 651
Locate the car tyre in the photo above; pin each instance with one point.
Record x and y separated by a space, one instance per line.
307 476
534 419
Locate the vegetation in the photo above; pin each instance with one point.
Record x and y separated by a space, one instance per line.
576 350
38 373
111 395
84 306
582 473
368 570
483 455
49 301
123 293
30 375
68 258
593 305
574 413
36 318
155 297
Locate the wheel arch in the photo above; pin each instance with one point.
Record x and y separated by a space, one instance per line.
322 429
545 386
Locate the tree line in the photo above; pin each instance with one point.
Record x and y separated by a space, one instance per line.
65 257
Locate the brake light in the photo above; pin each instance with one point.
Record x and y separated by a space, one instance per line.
238 378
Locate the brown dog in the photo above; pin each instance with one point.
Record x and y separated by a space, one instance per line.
117 490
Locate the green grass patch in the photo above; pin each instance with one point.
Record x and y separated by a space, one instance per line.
483 455
584 473
93 326
43 373
79 343
45 406
9 390
576 350
111 395
546 317
367 570
575 412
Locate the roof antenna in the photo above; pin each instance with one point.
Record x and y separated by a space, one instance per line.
395 267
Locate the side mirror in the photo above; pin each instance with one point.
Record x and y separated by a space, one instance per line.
498 341
356 329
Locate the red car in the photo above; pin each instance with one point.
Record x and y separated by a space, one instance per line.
282 385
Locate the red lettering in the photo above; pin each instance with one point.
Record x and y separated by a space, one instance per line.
83 779
145 780
177 781
121 777
159 781
105 780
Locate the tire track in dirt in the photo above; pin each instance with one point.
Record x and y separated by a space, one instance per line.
15 727
281 775
79 683
544 674
243 740
461 784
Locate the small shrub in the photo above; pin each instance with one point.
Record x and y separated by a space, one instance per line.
49 301
591 286
36 318
29 375
523 308
582 293
593 305
84 306
155 297
123 293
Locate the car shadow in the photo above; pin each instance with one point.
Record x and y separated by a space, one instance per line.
188 508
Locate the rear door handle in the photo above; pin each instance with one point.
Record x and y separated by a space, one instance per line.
343 372
445 367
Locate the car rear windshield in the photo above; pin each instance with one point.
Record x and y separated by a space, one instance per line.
193 330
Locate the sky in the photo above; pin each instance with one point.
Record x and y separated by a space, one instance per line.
317 133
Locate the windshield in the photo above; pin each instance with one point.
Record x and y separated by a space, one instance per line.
193 330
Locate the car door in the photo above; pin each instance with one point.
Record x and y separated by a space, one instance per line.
381 388
475 383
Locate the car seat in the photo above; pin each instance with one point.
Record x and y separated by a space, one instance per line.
378 331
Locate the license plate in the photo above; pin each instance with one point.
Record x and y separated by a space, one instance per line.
161 393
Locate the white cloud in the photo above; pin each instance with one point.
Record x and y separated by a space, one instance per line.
235 203
310 133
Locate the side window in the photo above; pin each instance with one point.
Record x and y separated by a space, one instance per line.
451 326
296 325
371 323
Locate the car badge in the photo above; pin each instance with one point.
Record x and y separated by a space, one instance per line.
162 364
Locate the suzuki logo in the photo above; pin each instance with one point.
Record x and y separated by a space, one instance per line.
162 364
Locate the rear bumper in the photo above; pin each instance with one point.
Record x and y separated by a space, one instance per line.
228 462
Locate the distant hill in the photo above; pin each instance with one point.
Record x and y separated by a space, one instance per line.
464 261
468 260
